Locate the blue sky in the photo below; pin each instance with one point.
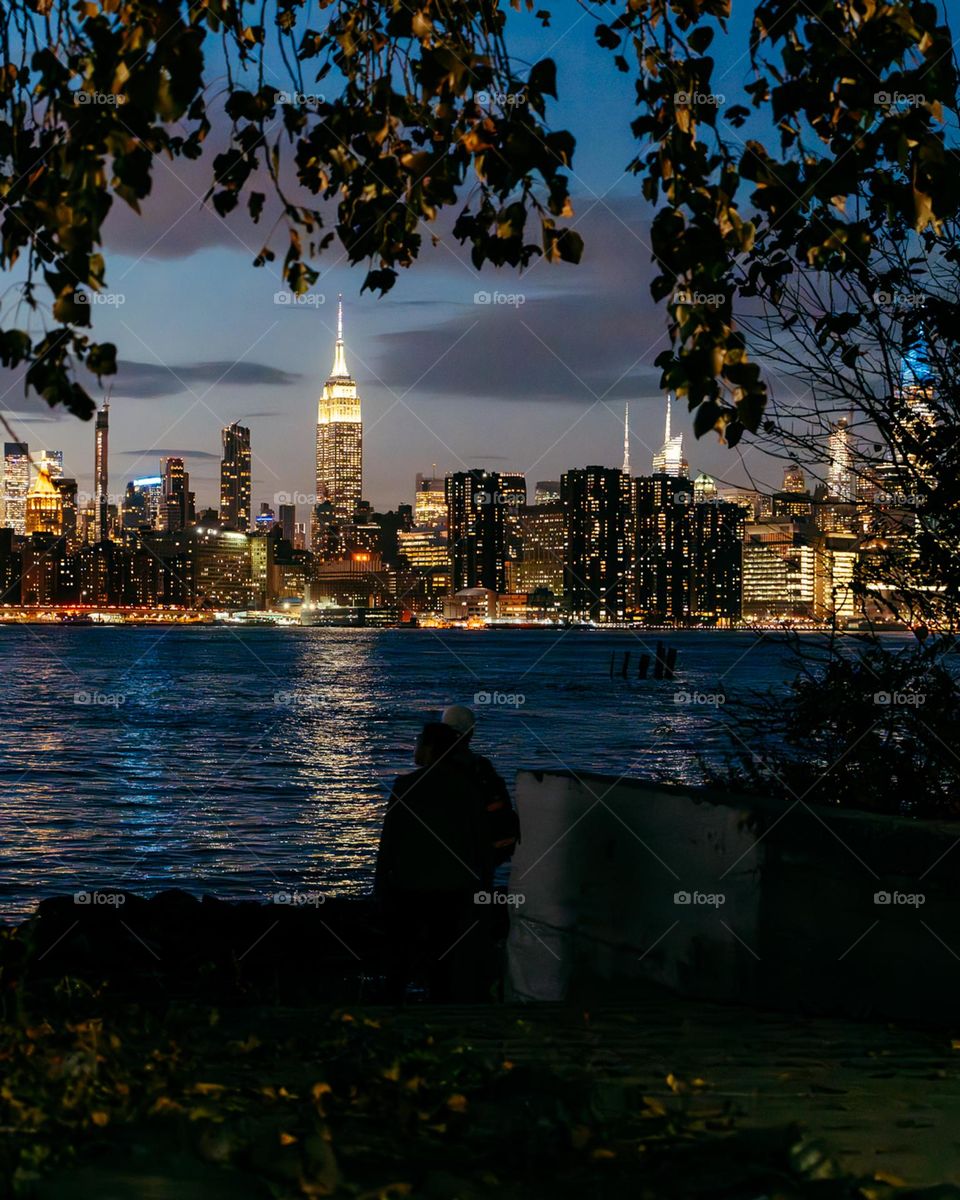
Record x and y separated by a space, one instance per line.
536 382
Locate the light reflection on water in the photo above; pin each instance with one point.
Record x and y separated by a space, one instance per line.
245 761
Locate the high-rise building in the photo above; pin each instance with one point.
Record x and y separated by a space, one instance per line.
44 506
669 459
101 475
340 437
841 482
778 570
626 440
794 479
235 478
430 502
176 510
663 532
542 549
597 555
716 537
287 519
68 496
476 525
16 484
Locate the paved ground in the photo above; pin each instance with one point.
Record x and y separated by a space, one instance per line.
880 1097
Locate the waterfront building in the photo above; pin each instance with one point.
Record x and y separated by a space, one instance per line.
235 478
778 570
597 554
424 548
354 581
669 459
477 502
16 484
44 506
716 561
101 474
340 437
663 550
540 567
205 566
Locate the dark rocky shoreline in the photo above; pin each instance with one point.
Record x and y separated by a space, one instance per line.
175 943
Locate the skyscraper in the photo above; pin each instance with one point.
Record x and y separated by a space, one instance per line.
340 437
101 474
477 531
176 508
669 459
430 502
597 559
626 439
841 484
235 478
16 481
44 506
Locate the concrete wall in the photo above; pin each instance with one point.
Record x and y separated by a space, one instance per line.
786 916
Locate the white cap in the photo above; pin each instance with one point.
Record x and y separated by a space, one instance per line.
459 717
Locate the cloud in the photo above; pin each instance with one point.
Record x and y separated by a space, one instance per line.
163 452
146 380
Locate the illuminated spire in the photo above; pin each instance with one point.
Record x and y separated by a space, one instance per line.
666 435
339 358
626 439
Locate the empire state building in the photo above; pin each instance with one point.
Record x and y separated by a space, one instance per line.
340 437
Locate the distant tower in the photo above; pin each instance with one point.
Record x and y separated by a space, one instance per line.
626 439
669 458
16 482
840 476
339 436
794 479
101 473
44 505
235 478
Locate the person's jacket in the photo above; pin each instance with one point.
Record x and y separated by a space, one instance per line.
435 835
503 824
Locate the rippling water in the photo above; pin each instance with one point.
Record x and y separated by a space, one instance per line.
240 761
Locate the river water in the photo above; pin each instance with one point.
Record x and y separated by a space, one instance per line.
244 760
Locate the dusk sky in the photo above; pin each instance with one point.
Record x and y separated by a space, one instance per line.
537 386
